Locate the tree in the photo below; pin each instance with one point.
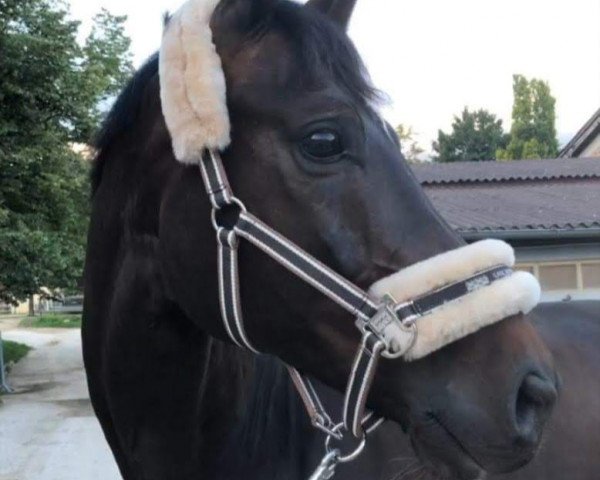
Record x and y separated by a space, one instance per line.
409 146
475 137
106 65
51 92
533 131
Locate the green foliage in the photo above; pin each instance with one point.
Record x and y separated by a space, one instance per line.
53 321
533 131
475 137
51 93
107 63
13 351
409 146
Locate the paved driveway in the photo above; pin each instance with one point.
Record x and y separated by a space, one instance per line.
48 430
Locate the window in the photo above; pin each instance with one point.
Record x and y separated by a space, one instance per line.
590 273
558 277
578 279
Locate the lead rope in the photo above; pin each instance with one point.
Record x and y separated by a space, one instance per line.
388 329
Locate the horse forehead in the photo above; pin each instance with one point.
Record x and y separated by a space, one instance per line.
268 61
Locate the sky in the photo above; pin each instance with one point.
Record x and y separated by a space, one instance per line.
434 57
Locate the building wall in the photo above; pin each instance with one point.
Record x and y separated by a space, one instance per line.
566 272
40 304
23 307
593 149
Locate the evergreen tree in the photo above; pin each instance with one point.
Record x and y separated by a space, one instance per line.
475 137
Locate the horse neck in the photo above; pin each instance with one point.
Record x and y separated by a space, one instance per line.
268 434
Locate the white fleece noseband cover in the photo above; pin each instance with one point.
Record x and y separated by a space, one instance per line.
483 306
193 96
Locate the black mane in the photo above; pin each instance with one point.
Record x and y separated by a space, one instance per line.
124 113
273 427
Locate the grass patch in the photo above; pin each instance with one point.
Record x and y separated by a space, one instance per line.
13 351
53 321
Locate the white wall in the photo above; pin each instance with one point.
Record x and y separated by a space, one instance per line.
593 149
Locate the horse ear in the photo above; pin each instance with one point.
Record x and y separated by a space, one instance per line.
340 11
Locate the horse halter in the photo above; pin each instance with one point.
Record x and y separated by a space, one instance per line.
389 329
408 315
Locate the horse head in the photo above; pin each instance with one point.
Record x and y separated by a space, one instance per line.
311 156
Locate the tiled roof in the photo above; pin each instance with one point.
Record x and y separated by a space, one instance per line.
516 196
466 172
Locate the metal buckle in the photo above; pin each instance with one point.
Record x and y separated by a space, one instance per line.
384 317
398 336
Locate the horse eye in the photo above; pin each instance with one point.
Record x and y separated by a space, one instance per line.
323 145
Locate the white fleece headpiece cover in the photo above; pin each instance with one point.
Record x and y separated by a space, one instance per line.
193 91
517 293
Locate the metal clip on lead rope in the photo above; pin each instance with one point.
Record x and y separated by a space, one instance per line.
326 468
333 456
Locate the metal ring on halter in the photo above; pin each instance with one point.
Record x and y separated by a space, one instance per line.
351 456
234 201
410 328
325 425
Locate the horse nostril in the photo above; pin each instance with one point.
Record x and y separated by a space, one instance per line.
535 400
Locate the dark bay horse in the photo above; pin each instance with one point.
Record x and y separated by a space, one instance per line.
311 157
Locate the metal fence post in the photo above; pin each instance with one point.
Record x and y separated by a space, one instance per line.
3 385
